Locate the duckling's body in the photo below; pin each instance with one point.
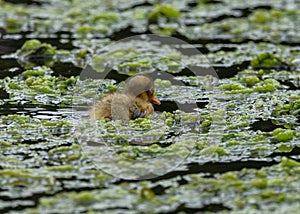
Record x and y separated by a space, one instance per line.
136 101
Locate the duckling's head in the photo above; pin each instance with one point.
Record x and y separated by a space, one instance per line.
142 86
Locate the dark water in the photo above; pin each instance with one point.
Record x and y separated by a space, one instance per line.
10 67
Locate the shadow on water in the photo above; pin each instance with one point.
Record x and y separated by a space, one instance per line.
29 2
10 43
213 207
66 69
9 68
3 94
170 106
211 168
223 71
265 125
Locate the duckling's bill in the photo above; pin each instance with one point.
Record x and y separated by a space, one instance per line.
154 100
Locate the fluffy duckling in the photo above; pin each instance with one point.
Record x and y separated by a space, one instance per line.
134 102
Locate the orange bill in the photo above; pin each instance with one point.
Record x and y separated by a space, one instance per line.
154 100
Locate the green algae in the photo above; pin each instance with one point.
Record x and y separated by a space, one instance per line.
34 82
267 85
138 143
266 60
265 25
160 11
30 45
283 135
261 16
288 163
137 56
262 187
214 151
278 55
64 179
33 73
71 16
12 24
34 48
233 87
284 148
250 80
292 108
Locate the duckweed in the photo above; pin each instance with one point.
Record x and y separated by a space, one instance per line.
33 83
163 11
233 87
262 16
267 85
292 108
250 80
13 85
214 151
230 160
33 73
284 148
35 47
30 44
283 135
266 60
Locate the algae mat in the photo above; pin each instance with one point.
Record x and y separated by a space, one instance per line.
224 139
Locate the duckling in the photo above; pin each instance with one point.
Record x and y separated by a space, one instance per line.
134 102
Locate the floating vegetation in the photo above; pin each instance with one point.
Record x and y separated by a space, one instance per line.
266 60
259 26
39 86
224 139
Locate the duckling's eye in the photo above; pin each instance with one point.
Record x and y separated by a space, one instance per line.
149 92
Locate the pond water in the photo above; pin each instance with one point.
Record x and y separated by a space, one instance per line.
224 139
